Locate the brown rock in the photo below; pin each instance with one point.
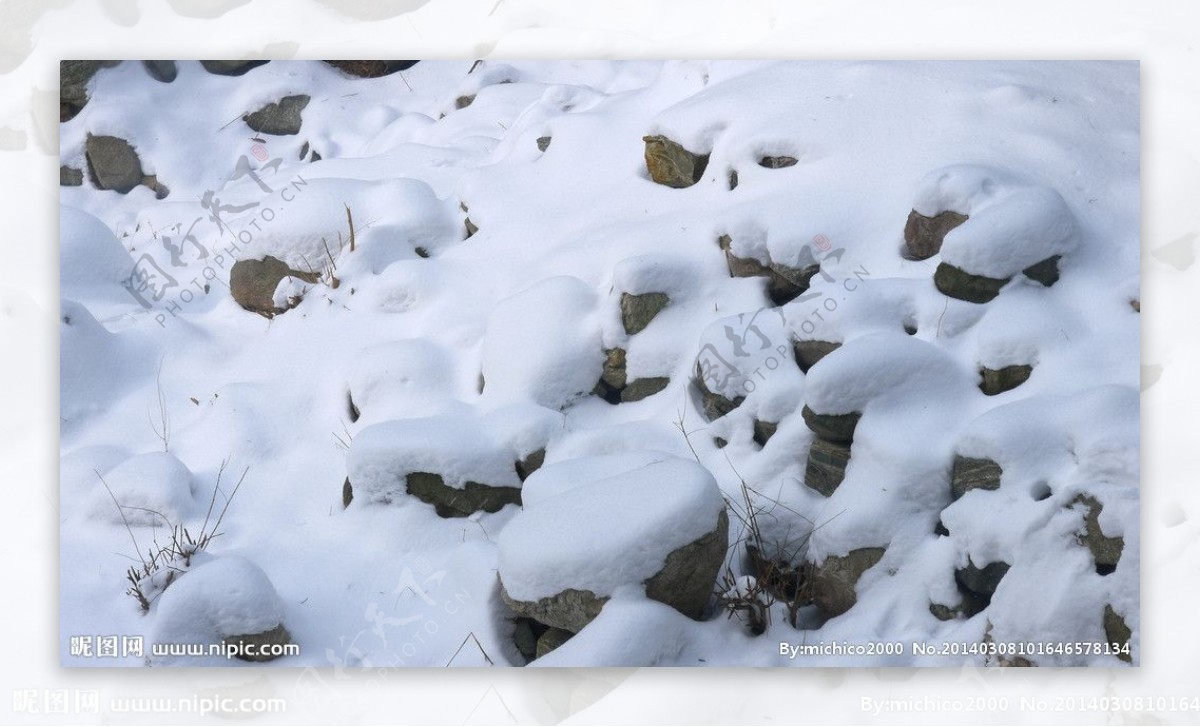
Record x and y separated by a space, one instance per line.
672 165
923 235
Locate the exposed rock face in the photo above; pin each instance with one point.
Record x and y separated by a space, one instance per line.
1045 272
763 431
531 463
808 353
231 68
834 580
1106 551
714 405
543 143
685 583
72 85
638 310
550 640
776 162
453 502
837 428
826 467
277 636
969 473
69 176
162 71
977 585
253 283
784 283
371 69
1116 631
962 285
281 118
672 165
113 163
998 381
639 389
614 385
923 235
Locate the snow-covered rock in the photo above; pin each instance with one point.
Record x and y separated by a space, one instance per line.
226 601
642 520
152 489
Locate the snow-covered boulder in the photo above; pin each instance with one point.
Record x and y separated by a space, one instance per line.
543 344
1014 226
227 600
254 284
152 489
280 118
451 462
742 356
593 526
410 377
93 263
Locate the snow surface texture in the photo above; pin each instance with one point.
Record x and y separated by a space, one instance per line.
462 350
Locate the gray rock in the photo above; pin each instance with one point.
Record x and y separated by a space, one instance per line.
763 431
1106 551
962 285
1116 631
281 118
253 283
1136 305
612 376
826 468
112 163
714 405
525 636
451 502
231 68
543 143
273 637
998 381
685 583
531 463
69 176
776 162
162 71
923 235
784 283
464 101
983 581
672 165
1045 272
836 428
639 389
971 473
834 580
944 613
550 640
371 69
470 227
808 353
347 493
638 310
72 85
733 179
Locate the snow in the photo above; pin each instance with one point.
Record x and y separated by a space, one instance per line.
609 532
458 448
226 596
152 489
1011 224
464 356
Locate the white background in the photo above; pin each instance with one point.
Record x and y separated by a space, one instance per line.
36 34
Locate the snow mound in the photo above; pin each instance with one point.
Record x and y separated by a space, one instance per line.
749 352
1012 224
543 344
878 366
224 597
152 489
410 377
609 532
458 448
93 263
560 477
